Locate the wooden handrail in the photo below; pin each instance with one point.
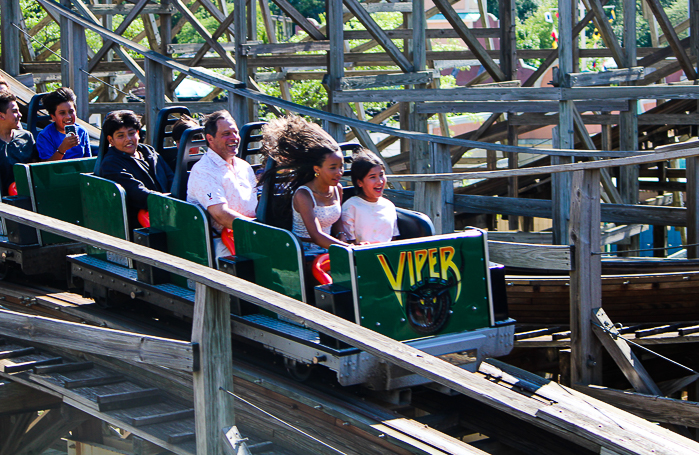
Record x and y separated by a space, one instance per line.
164 352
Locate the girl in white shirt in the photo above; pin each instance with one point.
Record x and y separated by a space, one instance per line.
369 217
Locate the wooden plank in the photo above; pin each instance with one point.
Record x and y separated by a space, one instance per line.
211 330
519 106
10 36
124 9
656 330
523 93
688 330
92 382
24 366
622 354
8 354
585 278
379 35
284 48
130 399
160 418
64 368
465 34
650 407
407 33
176 354
335 65
547 257
179 438
386 80
384 8
613 76
297 17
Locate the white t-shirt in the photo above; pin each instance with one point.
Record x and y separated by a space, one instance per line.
366 221
213 182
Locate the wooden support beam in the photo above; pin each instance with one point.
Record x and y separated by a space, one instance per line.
436 199
544 257
386 80
653 408
672 39
379 35
607 77
204 48
606 32
522 107
10 36
692 205
13 437
607 183
108 45
465 34
17 398
279 48
155 96
335 63
179 355
211 330
215 45
622 354
123 9
585 278
50 426
300 20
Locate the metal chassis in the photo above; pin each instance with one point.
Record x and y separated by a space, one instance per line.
351 365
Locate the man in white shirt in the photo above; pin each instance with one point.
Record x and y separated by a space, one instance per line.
220 182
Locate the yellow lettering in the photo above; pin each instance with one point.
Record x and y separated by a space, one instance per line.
432 254
397 280
411 271
420 259
447 254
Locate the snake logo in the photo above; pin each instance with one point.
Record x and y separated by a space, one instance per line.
426 297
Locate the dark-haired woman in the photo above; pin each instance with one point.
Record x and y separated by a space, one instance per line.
315 163
369 217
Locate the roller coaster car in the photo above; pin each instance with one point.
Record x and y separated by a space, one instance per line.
436 293
48 188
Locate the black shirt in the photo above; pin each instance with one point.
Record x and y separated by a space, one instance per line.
21 149
139 177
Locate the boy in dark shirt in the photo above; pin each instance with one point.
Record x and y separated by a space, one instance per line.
136 167
16 145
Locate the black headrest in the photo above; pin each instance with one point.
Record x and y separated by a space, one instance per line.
413 224
249 134
191 138
169 153
104 145
33 117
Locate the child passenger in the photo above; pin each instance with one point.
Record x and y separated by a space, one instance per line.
136 167
369 217
315 163
63 139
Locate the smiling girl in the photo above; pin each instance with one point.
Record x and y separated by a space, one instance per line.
369 217
315 163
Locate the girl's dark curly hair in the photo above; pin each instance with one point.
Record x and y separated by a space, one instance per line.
296 145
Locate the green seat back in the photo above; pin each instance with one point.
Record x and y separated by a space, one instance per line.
276 255
187 230
54 188
104 210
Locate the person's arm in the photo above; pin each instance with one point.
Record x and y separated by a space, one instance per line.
348 221
48 151
303 203
225 215
136 191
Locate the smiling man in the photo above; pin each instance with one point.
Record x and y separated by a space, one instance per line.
16 145
220 182
63 139
136 167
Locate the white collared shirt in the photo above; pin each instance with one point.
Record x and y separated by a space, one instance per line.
212 181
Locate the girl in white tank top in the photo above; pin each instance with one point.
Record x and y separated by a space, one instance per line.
316 165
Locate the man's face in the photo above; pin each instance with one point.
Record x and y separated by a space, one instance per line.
226 141
125 140
64 115
11 116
